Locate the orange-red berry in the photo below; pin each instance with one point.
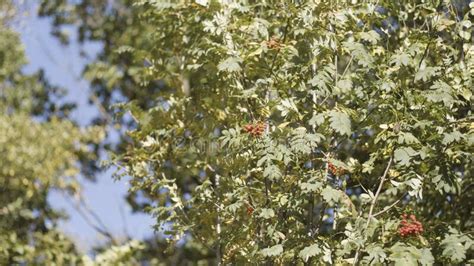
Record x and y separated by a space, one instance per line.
410 227
250 210
335 170
256 129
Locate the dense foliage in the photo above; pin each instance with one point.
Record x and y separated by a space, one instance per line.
316 132
367 113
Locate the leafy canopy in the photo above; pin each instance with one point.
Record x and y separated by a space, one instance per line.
367 113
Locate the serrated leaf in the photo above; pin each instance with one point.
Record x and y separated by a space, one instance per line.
310 187
309 252
454 136
345 85
440 92
426 73
376 255
272 172
407 138
455 246
331 195
408 255
426 258
231 64
287 106
370 36
272 251
403 155
401 59
267 213
302 142
340 122
316 120
321 80
359 52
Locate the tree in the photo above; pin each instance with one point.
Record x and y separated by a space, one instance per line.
293 131
309 132
40 150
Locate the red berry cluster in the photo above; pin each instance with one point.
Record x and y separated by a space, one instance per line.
337 171
256 129
274 43
410 227
250 210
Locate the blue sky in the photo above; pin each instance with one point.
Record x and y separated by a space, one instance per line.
63 67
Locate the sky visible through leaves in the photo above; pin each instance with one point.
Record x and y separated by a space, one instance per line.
63 67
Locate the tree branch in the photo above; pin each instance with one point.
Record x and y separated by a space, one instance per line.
218 221
389 207
84 211
374 201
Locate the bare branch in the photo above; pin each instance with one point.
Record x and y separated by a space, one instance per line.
85 212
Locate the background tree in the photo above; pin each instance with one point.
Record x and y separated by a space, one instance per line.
40 150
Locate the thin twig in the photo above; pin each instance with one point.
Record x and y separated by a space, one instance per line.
124 222
85 212
102 109
348 65
389 207
218 221
374 201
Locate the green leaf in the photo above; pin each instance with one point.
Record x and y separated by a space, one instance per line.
340 122
426 73
316 120
231 64
407 138
426 257
272 172
287 106
408 255
124 49
303 142
309 252
376 255
272 251
331 195
403 155
440 92
322 79
345 85
455 246
267 213
400 59
360 53
370 36
310 187
452 137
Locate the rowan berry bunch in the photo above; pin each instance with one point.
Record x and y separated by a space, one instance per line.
273 43
250 210
256 129
334 170
410 226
